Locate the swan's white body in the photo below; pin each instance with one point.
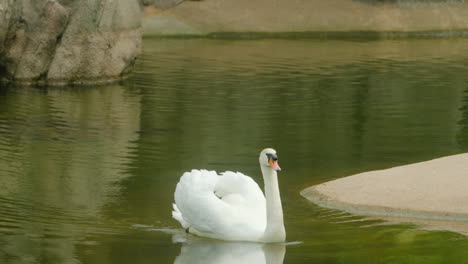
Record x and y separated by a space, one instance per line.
231 206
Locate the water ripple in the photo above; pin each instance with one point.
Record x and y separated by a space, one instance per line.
80 166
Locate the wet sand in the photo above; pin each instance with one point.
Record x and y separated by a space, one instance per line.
430 190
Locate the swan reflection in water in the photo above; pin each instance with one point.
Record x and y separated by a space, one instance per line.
199 250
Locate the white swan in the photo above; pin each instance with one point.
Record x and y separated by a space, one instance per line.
231 206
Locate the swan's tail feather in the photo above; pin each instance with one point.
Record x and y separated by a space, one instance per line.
177 215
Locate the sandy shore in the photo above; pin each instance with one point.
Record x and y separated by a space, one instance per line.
435 189
209 17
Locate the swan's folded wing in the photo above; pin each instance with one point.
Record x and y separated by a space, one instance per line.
197 202
226 206
245 199
238 185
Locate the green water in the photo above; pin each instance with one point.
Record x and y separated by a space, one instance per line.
87 174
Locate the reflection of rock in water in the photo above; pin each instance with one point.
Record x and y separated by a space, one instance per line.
62 153
412 3
202 251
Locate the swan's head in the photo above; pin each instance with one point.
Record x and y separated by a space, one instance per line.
269 158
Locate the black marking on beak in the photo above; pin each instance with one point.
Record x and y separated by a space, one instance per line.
273 156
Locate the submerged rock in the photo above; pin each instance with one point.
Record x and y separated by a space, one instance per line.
60 42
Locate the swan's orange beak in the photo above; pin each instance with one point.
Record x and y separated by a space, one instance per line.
274 164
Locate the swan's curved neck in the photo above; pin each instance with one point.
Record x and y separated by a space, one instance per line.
274 231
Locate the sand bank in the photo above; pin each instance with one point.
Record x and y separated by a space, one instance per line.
435 189
332 18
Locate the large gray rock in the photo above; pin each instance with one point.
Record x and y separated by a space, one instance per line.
65 41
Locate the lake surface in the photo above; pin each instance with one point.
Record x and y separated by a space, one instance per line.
87 174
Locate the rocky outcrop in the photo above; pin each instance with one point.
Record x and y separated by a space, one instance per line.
64 41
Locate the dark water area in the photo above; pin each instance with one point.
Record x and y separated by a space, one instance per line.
87 174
